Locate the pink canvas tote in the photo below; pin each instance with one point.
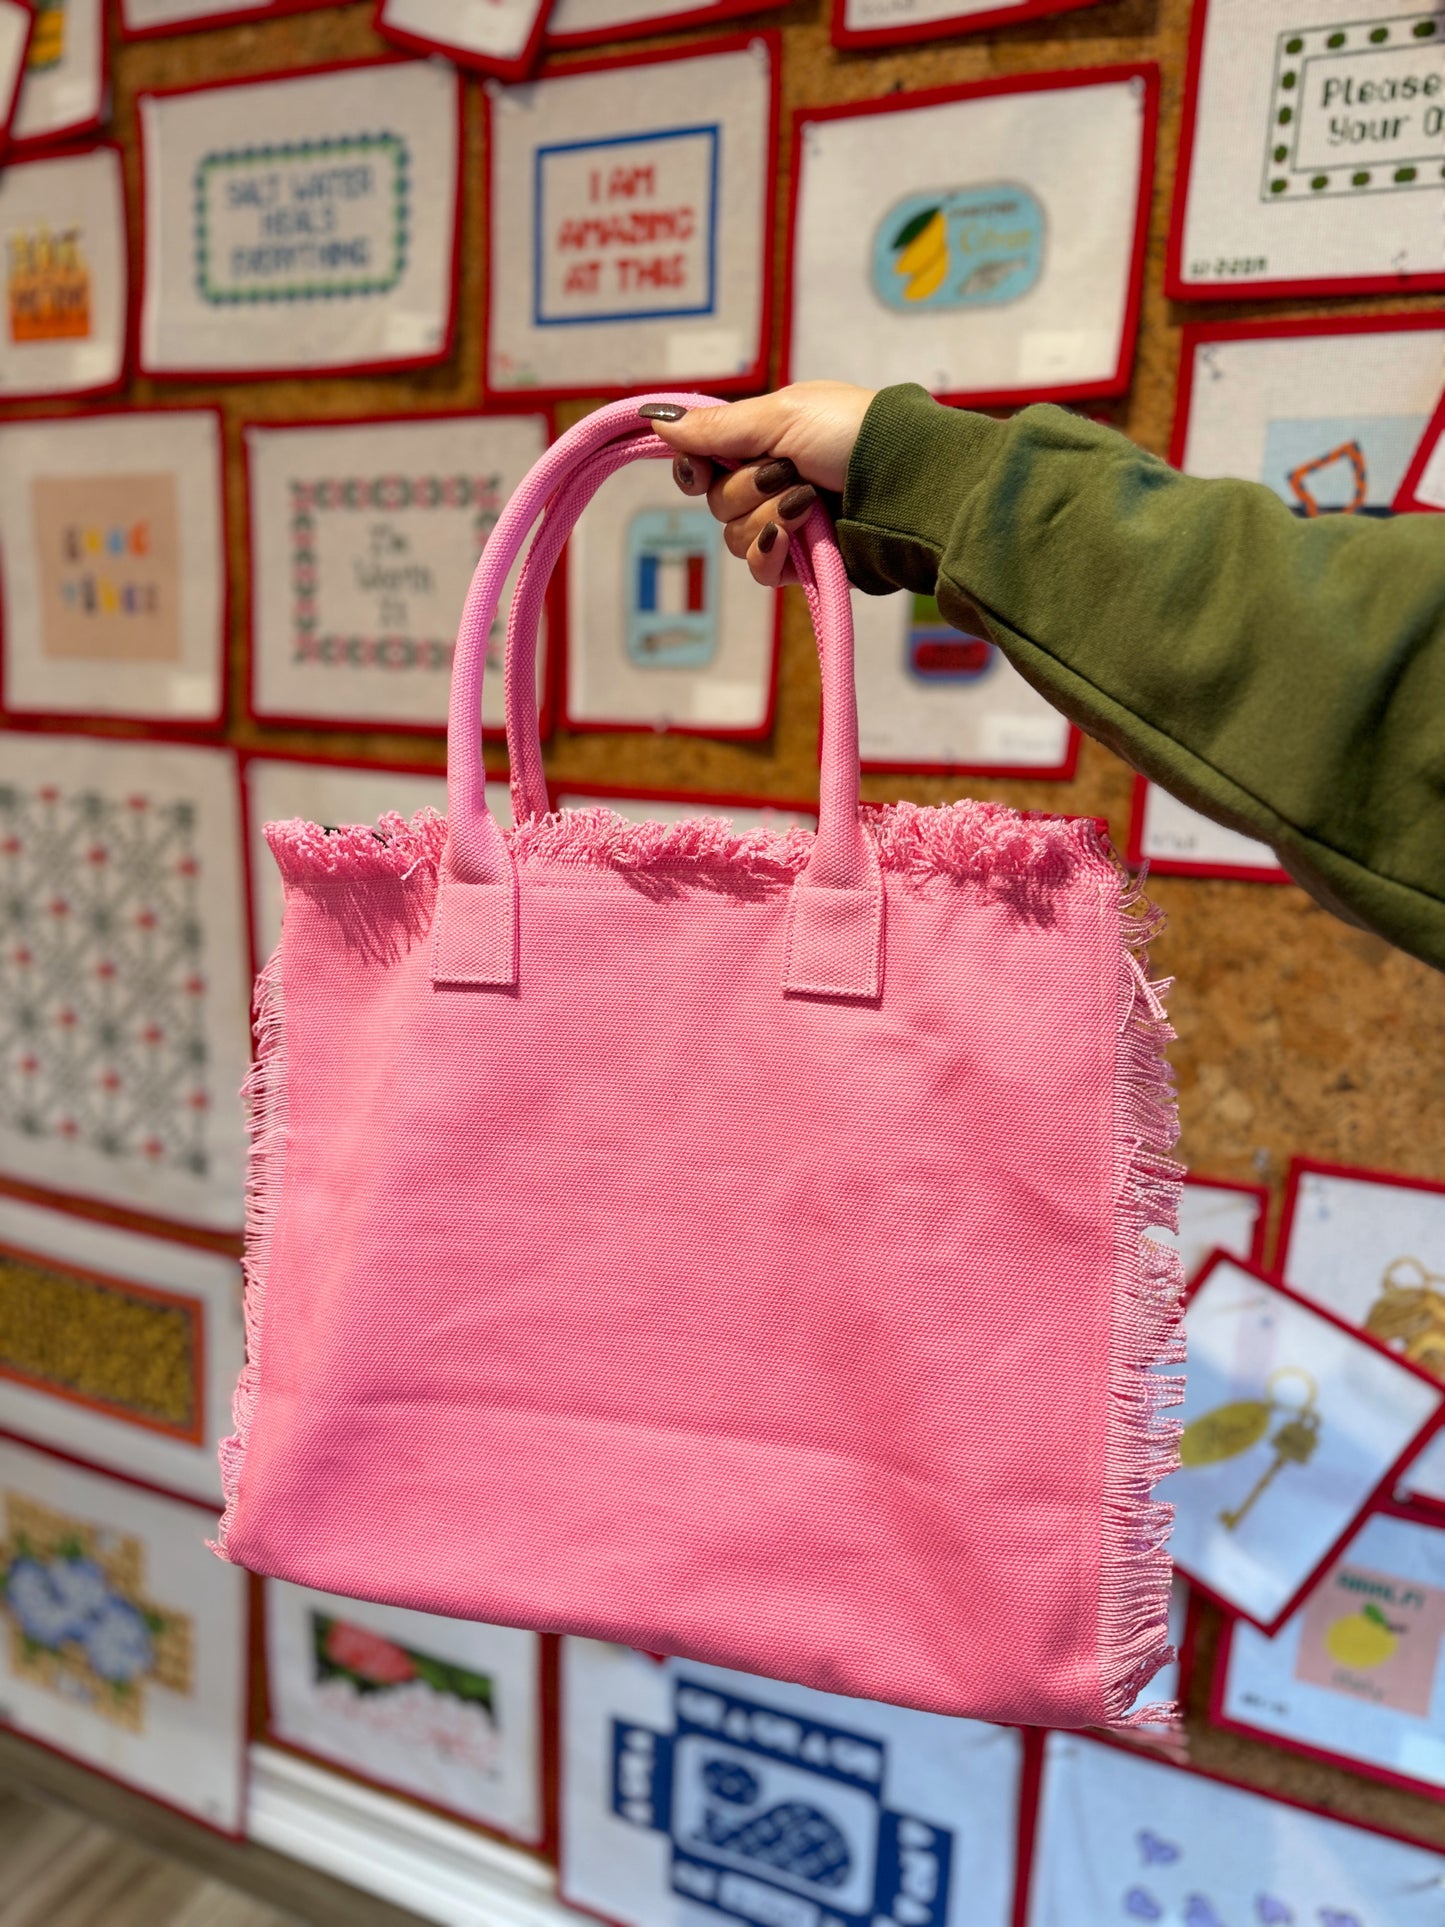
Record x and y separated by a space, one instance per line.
729 1244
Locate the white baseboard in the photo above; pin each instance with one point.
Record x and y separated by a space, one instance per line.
437 1869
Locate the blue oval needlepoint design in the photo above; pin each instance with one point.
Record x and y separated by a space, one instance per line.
964 247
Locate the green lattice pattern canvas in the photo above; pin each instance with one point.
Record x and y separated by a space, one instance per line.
102 985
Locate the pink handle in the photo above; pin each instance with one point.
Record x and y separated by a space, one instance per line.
835 920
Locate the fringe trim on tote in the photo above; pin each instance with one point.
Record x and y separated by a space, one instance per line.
985 843
264 1097
1143 1445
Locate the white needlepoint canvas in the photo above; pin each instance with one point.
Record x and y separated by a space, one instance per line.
63 92
1328 419
364 537
663 628
1127 1838
1290 1423
118 1346
1180 841
63 222
124 991
574 21
1214 1216
883 21
630 206
162 16
332 794
697 1797
657 809
1317 161
113 560
122 1636
446 1710
932 698
15 19
1356 1672
301 222
499 36
984 244
1371 1249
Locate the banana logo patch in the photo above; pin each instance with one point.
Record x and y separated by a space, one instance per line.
964 248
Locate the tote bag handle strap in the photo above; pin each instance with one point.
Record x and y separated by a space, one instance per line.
834 942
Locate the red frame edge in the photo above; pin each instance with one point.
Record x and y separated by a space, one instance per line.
1406 501
1166 866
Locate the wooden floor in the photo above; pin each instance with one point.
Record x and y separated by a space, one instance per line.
59 1869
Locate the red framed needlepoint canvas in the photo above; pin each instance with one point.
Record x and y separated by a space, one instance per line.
66 275
1293 1426
1311 158
501 37
113 565
1177 841
933 701
1216 1214
664 631
445 1711
16 21
1423 487
67 74
124 991
1326 412
1354 1678
118 1344
691 1792
985 240
884 23
145 19
301 222
363 539
123 1639
585 23
629 236
1370 1247
1128 1837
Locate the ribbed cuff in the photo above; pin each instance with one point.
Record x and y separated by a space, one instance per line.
907 478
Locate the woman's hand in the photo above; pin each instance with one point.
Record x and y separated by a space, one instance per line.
785 446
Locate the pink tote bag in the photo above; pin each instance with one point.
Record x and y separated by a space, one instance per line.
730 1245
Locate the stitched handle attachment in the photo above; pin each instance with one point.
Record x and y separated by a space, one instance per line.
834 945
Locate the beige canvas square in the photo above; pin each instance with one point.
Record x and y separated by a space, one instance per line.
110 566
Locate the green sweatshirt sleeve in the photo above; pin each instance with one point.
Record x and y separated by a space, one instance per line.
1286 676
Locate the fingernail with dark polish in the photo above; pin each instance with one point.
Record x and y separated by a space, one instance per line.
767 537
797 501
683 470
771 478
662 411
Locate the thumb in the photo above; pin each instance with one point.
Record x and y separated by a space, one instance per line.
729 431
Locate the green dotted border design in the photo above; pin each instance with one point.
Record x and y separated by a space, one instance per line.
392 145
427 492
1282 182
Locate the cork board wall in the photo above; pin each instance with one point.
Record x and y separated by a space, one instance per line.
1296 1034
